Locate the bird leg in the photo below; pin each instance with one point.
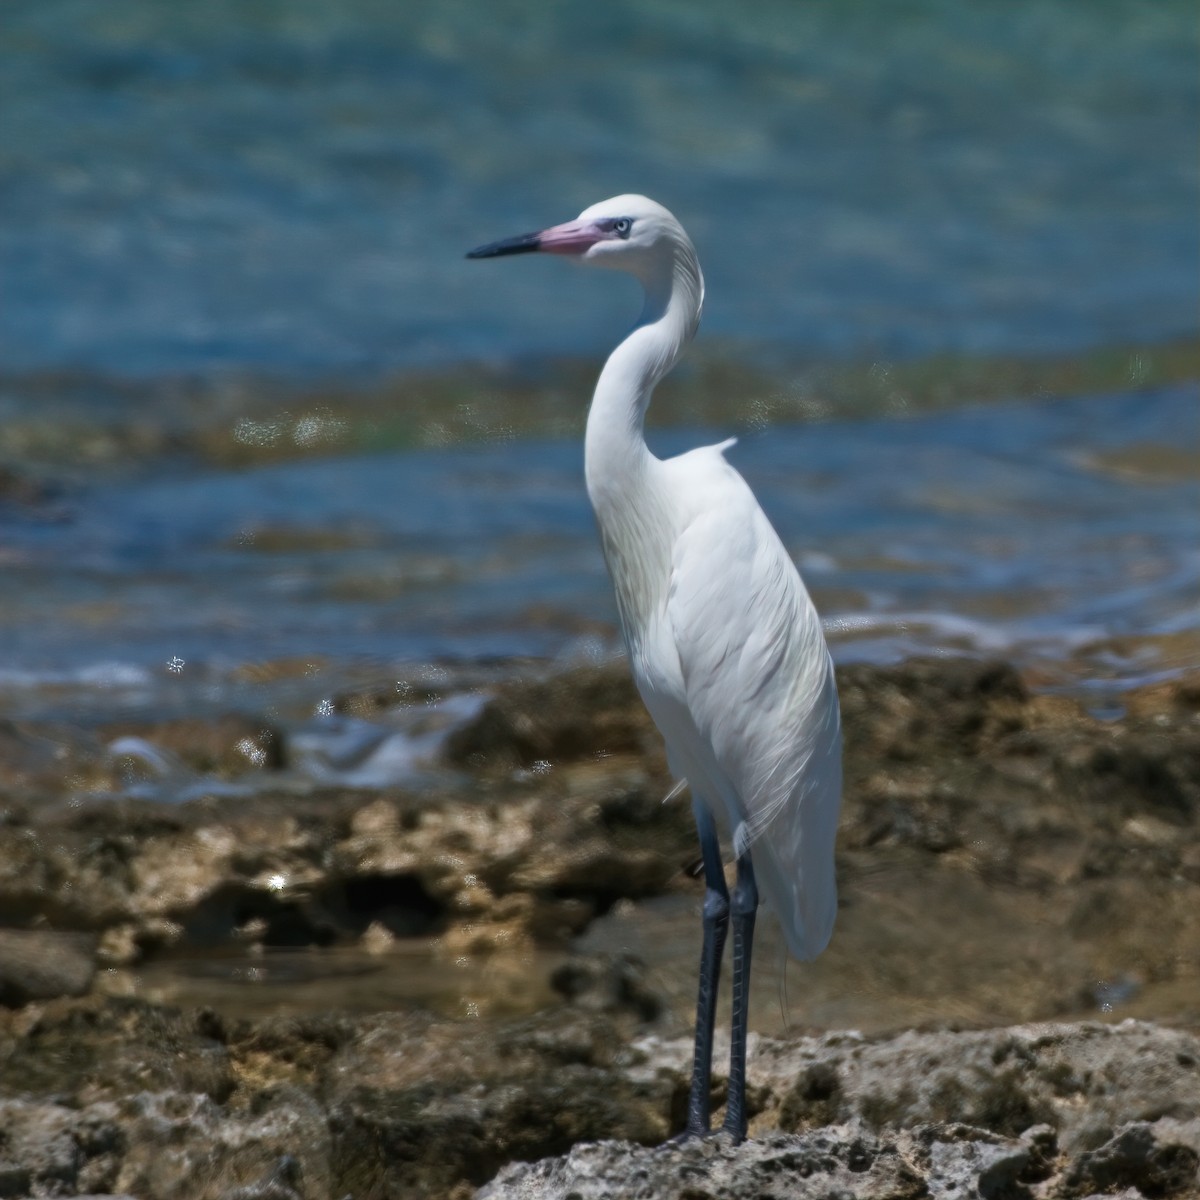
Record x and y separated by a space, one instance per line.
744 908
716 924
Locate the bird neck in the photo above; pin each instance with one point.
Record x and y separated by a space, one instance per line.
615 451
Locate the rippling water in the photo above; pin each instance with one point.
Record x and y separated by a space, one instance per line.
292 186
278 194
1045 532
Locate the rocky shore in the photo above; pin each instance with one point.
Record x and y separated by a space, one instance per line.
1019 939
119 1097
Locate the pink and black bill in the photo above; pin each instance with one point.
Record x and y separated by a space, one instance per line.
575 237
525 244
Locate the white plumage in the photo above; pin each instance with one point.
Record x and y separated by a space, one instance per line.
724 643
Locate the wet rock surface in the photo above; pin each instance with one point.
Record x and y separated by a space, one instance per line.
1004 857
226 746
509 861
584 713
952 766
38 965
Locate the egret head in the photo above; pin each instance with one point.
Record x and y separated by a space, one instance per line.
630 233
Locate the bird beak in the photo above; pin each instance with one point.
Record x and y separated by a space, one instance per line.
575 237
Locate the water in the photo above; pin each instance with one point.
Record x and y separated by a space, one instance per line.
205 213
291 187
1029 530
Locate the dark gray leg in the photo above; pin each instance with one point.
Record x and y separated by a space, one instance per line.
744 908
716 924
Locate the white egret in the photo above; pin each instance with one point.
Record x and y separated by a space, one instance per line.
724 643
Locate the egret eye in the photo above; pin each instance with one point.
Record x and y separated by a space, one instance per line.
622 226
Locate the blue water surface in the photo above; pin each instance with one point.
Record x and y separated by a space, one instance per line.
1013 529
289 187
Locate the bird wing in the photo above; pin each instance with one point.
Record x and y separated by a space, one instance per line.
759 689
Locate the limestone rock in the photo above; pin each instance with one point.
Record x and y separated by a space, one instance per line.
39 965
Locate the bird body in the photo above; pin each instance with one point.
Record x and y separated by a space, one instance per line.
723 640
727 653
732 665
724 643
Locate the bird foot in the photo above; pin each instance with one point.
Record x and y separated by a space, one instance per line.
697 1135
737 1134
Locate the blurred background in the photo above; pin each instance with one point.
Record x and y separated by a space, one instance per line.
256 407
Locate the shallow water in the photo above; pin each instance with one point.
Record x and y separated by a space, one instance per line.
1061 535
411 975
260 199
983 956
